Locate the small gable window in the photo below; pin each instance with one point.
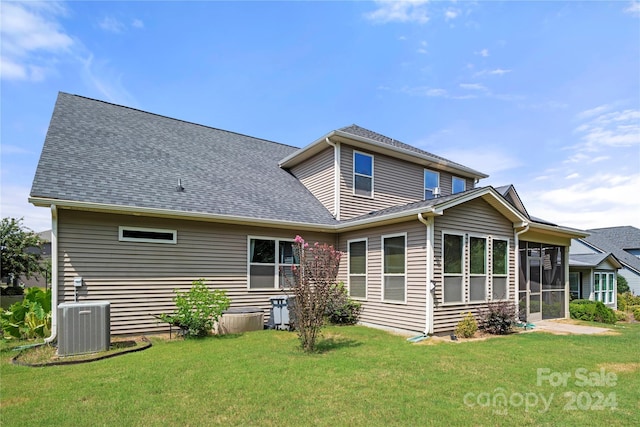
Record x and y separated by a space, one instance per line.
362 174
458 185
147 235
431 182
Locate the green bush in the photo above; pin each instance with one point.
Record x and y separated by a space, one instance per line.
467 326
627 300
29 318
622 284
636 314
499 318
591 311
197 309
621 316
341 309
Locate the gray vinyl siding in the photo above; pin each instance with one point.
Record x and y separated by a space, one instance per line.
317 174
410 315
476 218
139 278
395 182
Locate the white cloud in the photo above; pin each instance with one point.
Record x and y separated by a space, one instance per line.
111 24
594 111
573 176
425 91
399 11
451 13
473 86
611 129
137 23
106 81
31 39
422 51
496 72
598 200
633 8
484 53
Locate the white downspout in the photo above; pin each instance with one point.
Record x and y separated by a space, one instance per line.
54 275
336 177
428 329
516 235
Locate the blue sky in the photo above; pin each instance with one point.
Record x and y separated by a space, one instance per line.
542 95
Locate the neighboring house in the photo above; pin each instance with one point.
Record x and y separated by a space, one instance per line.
593 277
622 242
143 204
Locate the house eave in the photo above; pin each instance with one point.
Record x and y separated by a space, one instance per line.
556 230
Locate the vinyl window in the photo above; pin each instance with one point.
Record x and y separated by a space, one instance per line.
458 185
394 268
270 263
453 286
477 269
431 182
362 174
147 235
500 269
358 269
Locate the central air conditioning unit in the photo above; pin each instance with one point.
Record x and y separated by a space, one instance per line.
83 327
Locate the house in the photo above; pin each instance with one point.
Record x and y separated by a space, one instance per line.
593 277
622 242
143 204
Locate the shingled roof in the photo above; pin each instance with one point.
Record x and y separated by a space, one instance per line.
108 154
616 240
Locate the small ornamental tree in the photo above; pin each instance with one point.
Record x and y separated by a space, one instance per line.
20 249
314 283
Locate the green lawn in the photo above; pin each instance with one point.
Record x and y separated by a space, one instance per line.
362 377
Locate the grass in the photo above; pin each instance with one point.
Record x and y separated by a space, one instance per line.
361 376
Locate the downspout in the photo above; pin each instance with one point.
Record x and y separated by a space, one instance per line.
428 222
516 235
54 275
336 177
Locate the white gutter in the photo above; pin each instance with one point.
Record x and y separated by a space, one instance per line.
428 328
54 275
336 177
516 239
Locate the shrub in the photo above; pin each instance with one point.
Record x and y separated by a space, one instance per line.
499 318
467 326
341 309
636 314
197 309
627 300
621 316
592 311
622 284
29 318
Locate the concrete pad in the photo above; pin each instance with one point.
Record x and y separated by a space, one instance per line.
562 327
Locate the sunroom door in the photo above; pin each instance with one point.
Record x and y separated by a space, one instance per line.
534 302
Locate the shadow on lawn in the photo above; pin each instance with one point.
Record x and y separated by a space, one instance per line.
335 343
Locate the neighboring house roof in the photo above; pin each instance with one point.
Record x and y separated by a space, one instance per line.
120 156
592 260
509 192
616 240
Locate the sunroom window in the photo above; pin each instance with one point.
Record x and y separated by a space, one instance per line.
477 269
500 269
453 267
358 269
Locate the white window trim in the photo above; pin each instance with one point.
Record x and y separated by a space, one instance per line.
425 181
406 246
277 264
486 267
121 237
463 265
366 268
359 174
464 182
603 294
506 297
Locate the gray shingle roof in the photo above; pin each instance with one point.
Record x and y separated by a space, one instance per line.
108 154
615 240
587 260
369 134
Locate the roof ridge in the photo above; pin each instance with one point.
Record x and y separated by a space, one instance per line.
175 119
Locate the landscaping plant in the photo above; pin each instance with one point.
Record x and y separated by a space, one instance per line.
29 318
467 326
197 309
592 311
499 317
314 284
341 309
19 250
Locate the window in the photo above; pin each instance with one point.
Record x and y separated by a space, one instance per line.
431 182
477 269
270 263
575 285
362 174
358 269
458 185
500 269
394 268
453 266
147 235
603 284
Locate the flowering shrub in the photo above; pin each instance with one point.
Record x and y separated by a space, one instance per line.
341 309
314 284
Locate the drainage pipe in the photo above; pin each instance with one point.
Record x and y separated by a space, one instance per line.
54 275
428 222
336 177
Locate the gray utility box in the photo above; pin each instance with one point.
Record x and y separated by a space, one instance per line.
281 315
83 327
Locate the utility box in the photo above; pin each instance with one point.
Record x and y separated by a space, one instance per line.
83 327
281 315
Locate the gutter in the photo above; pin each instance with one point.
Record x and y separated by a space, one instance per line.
336 177
430 290
54 275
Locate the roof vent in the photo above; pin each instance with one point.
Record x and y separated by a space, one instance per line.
436 192
179 188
